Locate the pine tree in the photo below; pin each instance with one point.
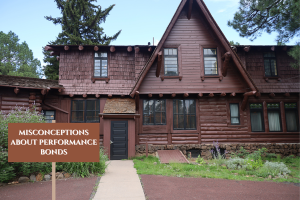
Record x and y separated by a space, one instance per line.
80 23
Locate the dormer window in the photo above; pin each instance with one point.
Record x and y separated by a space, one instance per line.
100 66
270 64
171 62
210 62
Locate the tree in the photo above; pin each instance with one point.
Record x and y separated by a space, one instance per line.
233 43
281 16
80 23
17 59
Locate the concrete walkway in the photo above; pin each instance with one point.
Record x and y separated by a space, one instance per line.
120 181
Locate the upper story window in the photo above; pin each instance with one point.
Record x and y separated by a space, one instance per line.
291 116
210 62
49 115
85 111
274 116
270 64
234 114
100 67
154 112
256 117
171 62
184 114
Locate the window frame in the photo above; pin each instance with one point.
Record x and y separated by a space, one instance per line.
170 56
262 116
184 114
235 117
154 121
297 115
269 59
279 112
84 111
216 56
100 58
44 111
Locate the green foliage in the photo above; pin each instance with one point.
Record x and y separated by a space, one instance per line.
80 23
242 153
295 53
234 43
274 169
6 169
84 169
200 160
256 155
16 59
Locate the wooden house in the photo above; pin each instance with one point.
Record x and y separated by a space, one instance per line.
191 89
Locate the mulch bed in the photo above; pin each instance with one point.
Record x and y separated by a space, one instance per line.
66 189
162 187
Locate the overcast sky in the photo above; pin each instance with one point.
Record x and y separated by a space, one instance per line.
139 20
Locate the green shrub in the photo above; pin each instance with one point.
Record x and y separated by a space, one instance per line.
237 163
274 169
6 169
200 160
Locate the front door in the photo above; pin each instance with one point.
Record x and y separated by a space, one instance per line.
119 140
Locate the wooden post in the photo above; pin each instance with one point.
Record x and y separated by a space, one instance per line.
53 177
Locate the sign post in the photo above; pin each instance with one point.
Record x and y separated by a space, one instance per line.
53 142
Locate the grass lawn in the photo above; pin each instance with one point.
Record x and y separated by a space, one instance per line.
151 165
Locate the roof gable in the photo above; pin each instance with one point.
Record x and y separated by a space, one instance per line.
215 28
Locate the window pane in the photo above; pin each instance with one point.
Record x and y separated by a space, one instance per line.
255 106
104 64
160 118
273 67
178 107
166 51
190 106
174 51
256 121
148 112
49 112
267 67
77 105
49 117
274 120
291 120
92 116
78 116
210 51
190 121
103 55
171 61
273 105
178 121
146 106
269 54
97 54
92 105
210 65
235 120
104 73
160 106
234 113
290 105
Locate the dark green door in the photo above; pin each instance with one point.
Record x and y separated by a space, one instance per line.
119 140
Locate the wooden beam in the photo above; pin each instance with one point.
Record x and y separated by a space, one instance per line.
233 94
273 48
137 49
227 57
234 48
271 95
186 95
96 48
43 91
150 95
71 95
57 58
189 12
97 96
150 49
159 63
109 95
160 95
258 94
129 49
47 48
137 100
200 95
247 49
84 95
122 96
16 90
66 48
173 95
287 94
53 53
80 47
112 49
245 100
223 94
60 90
211 95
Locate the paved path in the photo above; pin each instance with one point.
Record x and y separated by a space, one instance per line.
120 181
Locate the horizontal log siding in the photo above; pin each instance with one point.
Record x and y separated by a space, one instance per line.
289 76
191 35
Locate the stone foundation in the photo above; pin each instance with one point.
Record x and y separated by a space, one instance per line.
205 149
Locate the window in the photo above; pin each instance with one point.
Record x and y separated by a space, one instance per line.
100 66
274 116
49 115
154 112
184 114
270 64
291 116
170 62
210 62
85 111
256 117
234 114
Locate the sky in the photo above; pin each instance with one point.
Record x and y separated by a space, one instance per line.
139 20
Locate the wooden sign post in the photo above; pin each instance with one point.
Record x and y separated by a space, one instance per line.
53 176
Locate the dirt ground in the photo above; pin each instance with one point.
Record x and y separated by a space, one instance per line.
66 189
161 187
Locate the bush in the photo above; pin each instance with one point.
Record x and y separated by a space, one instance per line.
6 169
200 160
237 163
274 169
218 157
